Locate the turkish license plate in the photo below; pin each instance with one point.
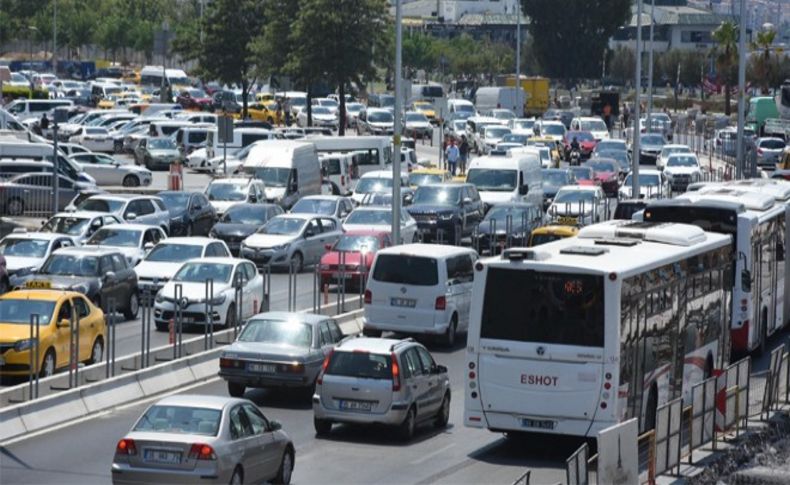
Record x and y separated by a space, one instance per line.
38 284
268 368
403 302
163 456
188 319
356 405
568 221
538 423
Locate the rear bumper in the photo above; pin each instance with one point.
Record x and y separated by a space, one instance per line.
398 327
123 473
392 417
513 422
250 379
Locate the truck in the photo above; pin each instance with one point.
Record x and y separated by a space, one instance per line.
536 90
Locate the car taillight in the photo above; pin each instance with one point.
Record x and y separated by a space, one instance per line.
395 373
368 297
759 151
126 447
201 451
324 366
441 303
223 362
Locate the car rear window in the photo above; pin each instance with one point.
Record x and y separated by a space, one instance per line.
180 420
360 364
406 270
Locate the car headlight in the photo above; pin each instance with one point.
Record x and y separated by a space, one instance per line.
25 344
280 247
159 297
80 288
219 299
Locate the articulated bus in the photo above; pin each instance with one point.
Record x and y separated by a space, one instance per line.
578 334
758 225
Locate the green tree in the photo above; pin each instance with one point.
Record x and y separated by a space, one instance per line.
726 36
762 42
419 51
570 36
273 47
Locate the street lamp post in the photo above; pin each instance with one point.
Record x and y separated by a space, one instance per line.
648 120
32 30
740 162
396 199
636 131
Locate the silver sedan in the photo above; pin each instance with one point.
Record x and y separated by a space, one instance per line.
203 439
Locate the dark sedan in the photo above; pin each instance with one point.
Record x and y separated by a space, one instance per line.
446 212
100 274
507 225
191 214
553 180
650 146
241 221
606 172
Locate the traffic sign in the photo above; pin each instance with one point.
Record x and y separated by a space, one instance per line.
225 129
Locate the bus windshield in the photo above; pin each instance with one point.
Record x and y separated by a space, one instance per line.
543 307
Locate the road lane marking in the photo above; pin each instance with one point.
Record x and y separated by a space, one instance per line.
431 455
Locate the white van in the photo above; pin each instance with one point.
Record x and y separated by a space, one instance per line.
376 181
289 168
166 128
368 152
420 289
463 106
337 168
432 92
490 98
513 178
13 150
242 137
152 76
192 137
25 109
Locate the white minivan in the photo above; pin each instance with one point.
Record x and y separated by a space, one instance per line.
25 109
512 178
289 168
420 289
337 168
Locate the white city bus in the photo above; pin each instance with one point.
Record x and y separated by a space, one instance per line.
581 333
368 153
758 225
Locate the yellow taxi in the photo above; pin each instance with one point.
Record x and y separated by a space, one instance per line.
547 234
106 103
783 162
265 111
264 97
426 108
425 176
55 309
458 179
549 143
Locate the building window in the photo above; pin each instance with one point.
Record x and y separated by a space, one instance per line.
695 37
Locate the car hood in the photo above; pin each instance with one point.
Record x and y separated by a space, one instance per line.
381 124
232 229
570 209
265 351
199 154
418 124
274 193
156 269
324 117
352 258
367 227
269 240
650 148
680 170
500 226
15 263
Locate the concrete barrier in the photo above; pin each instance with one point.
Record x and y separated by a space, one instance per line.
67 405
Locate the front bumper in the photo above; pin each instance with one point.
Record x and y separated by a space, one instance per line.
194 314
265 257
433 229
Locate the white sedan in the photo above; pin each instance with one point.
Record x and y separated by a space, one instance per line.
132 240
226 273
94 138
322 116
370 218
578 205
110 171
653 184
162 262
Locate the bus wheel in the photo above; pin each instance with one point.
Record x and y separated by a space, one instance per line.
650 410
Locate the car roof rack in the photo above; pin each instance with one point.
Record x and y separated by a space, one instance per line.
405 341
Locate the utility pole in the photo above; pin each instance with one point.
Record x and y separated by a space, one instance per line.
396 199
740 162
648 121
55 37
518 48
638 83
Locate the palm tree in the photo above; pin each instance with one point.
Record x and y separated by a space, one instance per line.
726 35
763 41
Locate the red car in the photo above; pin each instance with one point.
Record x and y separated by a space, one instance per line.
195 99
351 246
606 173
586 142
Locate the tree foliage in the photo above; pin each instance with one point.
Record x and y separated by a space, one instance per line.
763 65
570 36
726 53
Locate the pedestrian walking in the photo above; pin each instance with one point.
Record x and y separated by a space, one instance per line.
44 123
464 154
287 110
451 154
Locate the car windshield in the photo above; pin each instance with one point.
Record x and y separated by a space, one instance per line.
573 196
174 253
18 310
652 140
513 138
644 179
283 226
315 206
432 194
354 242
71 265
502 213
504 115
555 178
321 110
372 184
179 420
524 124
593 125
601 166
250 215
419 117
354 107
95 131
26 248
492 180
553 129
418 179
681 161
226 191
100 205
201 272
278 332
161 144
380 117
73 226
496 132
115 236
370 217
175 201
666 151
582 173
273 176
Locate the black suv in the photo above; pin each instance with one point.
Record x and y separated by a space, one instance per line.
446 212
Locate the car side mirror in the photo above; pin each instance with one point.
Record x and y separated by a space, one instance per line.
148 246
109 276
328 247
440 369
131 216
523 190
275 425
64 322
309 233
253 199
467 200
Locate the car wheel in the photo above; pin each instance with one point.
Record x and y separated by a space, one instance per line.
448 339
298 262
131 181
230 318
286 469
238 477
117 146
130 313
322 426
15 207
236 389
97 351
48 364
407 427
443 416
270 120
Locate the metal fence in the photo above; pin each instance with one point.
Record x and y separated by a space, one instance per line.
32 194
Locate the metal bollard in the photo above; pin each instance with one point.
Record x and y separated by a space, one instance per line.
341 287
144 328
267 288
109 316
238 299
35 333
363 276
508 231
292 304
208 326
74 352
492 246
317 290
179 320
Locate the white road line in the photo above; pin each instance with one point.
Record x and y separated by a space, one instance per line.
431 455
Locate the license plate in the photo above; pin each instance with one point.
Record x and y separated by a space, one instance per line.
568 221
38 284
356 405
188 319
403 302
538 423
268 368
163 456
